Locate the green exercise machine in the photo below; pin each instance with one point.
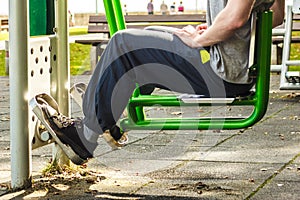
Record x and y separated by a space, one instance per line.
258 100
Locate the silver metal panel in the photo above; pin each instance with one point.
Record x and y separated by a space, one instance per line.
39 73
190 98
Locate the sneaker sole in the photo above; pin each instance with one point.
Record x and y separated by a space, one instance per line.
111 141
36 108
77 92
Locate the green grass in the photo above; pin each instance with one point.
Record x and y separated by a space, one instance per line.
2 63
77 31
3 36
79 54
295 55
72 31
79 58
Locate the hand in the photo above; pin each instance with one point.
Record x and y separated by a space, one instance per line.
188 35
201 28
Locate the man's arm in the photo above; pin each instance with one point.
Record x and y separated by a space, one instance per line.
232 17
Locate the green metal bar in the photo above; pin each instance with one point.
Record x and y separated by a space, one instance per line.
260 100
114 15
151 100
263 49
186 124
120 20
110 16
136 112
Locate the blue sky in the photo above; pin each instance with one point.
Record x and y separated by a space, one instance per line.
89 6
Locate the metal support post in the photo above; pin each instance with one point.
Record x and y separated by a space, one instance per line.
60 80
61 75
20 144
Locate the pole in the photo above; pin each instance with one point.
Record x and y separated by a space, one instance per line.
20 146
63 66
96 6
61 76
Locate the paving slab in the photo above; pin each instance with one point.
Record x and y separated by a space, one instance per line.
285 185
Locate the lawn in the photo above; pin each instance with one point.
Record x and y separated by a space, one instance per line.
77 31
295 55
2 63
79 54
3 36
79 58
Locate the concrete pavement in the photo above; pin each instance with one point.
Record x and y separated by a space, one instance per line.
261 162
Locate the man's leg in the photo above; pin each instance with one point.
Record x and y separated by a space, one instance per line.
144 57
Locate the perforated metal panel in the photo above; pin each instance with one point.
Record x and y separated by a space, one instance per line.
42 60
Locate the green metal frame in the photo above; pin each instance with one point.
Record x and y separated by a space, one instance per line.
261 67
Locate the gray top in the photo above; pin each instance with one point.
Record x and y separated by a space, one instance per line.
230 59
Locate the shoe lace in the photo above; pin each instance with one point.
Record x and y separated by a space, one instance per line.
62 121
